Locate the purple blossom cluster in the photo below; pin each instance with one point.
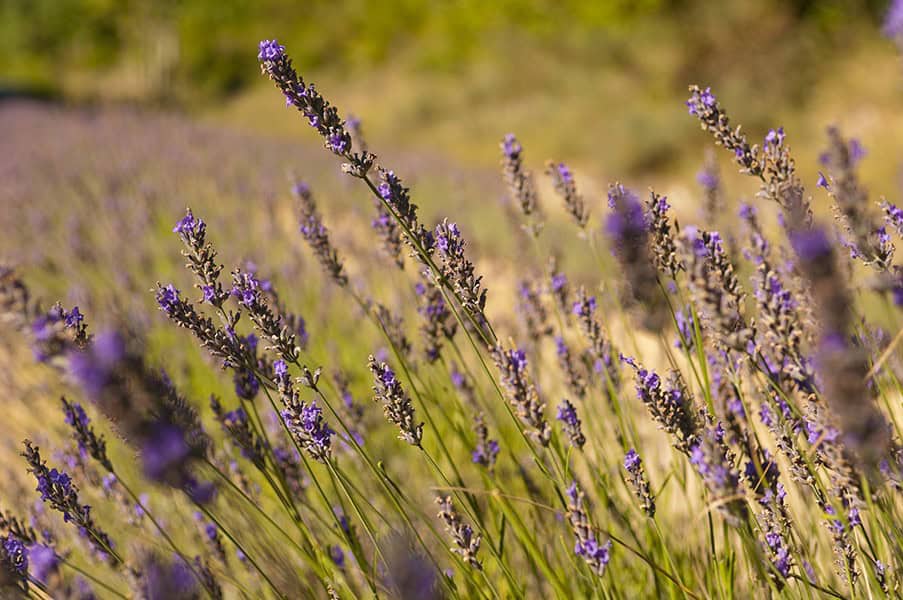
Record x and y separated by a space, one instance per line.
639 483
587 546
570 422
669 403
309 427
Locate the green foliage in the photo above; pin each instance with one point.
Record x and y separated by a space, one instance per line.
198 49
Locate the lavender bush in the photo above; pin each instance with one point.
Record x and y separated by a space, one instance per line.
693 413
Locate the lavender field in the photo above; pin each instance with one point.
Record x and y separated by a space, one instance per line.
239 364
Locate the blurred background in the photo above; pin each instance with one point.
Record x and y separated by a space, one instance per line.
601 84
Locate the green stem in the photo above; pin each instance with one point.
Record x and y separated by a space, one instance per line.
250 558
162 531
92 578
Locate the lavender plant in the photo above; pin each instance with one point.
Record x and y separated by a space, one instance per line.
775 470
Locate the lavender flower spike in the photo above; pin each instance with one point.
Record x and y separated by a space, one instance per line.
636 477
587 545
520 183
466 541
397 199
709 178
521 392
600 347
574 371
487 450
438 323
459 271
306 423
201 258
563 183
670 405
57 490
713 460
703 105
715 288
398 406
88 441
870 241
662 236
772 164
842 365
628 231
567 414
317 236
13 564
319 113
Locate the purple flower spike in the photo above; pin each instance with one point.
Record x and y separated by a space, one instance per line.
270 50
164 450
812 244
42 562
893 20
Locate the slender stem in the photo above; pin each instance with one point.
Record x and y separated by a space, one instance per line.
232 538
263 513
92 578
366 523
162 531
285 494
